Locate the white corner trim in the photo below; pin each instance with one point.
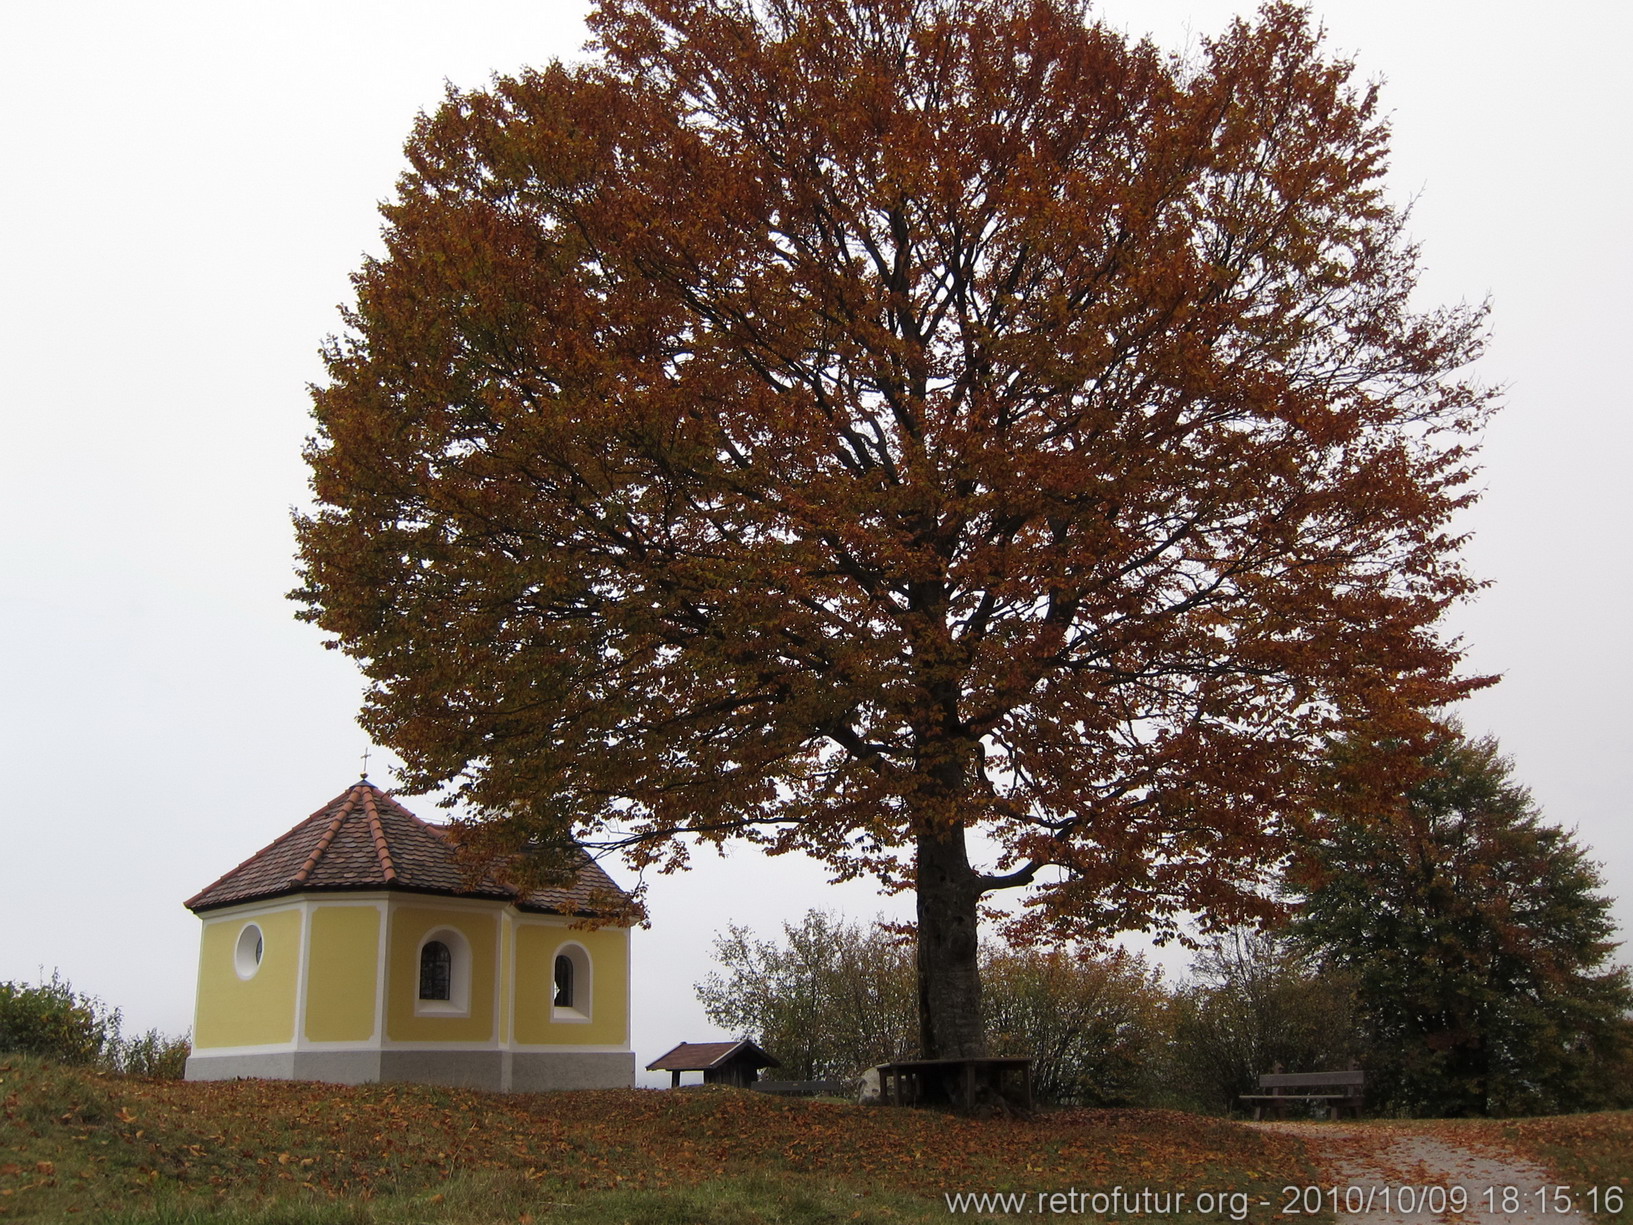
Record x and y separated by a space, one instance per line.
302 962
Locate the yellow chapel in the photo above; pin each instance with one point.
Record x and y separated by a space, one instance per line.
354 949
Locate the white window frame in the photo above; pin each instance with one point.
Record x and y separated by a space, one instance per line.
458 1003
249 951
582 1006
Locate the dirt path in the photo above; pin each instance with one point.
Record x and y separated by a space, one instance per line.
1390 1175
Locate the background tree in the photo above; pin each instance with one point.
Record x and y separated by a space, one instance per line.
1257 1001
842 424
1479 941
830 1000
1092 1021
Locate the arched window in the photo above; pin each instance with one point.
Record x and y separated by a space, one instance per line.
564 981
445 974
572 988
436 971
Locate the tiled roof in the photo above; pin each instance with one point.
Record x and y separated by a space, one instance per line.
701 1056
364 840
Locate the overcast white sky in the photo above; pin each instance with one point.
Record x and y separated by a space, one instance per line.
185 188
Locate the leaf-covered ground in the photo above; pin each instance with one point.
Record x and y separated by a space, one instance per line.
109 1149
79 1146
1472 1171
1590 1154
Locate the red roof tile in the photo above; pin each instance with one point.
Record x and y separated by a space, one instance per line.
364 840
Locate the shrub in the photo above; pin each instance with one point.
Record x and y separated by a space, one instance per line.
153 1054
836 997
54 1021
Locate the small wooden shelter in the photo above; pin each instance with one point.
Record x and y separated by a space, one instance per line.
722 1063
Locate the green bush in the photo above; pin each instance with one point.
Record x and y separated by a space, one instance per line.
52 1021
155 1055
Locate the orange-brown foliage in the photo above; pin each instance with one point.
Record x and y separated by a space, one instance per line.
842 423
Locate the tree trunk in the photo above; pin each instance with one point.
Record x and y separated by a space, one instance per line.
950 1024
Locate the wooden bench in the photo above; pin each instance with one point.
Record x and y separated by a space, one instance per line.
964 1084
1340 1091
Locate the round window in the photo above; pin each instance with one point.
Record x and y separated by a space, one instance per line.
247 955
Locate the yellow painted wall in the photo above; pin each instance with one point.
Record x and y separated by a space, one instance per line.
342 957
256 1011
409 927
608 947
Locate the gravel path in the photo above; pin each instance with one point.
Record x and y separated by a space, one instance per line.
1386 1175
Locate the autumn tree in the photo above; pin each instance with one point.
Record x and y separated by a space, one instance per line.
847 424
1092 1020
830 999
1479 940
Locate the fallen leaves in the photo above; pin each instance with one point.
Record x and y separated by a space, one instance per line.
249 1141
253 1138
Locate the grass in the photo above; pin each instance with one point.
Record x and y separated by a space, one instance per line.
76 1144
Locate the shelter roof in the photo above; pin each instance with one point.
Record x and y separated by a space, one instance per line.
702 1056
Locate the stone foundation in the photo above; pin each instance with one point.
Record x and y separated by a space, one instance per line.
502 1071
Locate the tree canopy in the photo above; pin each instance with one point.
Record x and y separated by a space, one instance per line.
1478 939
843 424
